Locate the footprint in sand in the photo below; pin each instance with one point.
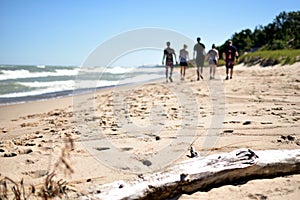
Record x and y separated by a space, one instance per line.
147 163
126 149
102 148
247 123
228 131
264 123
289 139
36 174
28 161
25 151
9 155
3 130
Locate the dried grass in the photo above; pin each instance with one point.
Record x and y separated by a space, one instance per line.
51 187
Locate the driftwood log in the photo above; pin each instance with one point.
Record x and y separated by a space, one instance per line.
202 174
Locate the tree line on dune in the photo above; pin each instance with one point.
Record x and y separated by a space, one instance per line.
282 33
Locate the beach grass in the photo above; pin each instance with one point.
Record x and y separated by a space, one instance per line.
267 58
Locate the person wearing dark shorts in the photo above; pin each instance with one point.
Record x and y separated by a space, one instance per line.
230 56
199 48
168 55
184 59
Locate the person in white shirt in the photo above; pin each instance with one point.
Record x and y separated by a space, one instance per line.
213 59
184 59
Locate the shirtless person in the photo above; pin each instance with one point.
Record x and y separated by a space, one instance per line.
168 55
200 49
230 55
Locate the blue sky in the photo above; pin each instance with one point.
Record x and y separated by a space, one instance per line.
65 32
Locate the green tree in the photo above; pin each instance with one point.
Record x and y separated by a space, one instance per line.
282 33
259 37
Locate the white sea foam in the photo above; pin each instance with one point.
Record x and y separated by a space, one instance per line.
37 84
57 86
82 81
41 88
15 74
119 70
111 70
31 93
84 84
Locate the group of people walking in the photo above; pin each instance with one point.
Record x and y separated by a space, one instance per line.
199 55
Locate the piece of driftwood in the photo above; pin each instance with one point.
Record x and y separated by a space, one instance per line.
202 174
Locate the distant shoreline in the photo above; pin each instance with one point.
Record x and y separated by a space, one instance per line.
21 84
62 94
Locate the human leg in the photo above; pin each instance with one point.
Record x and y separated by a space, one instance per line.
181 72
171 72
200 64
214 70
229 65
167 67
201 71
210 71
227 70
231 72
198 73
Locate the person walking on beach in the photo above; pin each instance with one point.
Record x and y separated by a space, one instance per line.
230 56
168 55
200 49
213 59
183 59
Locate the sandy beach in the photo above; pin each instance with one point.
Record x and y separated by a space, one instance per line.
258 109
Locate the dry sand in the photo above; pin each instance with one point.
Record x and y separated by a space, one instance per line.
260 110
